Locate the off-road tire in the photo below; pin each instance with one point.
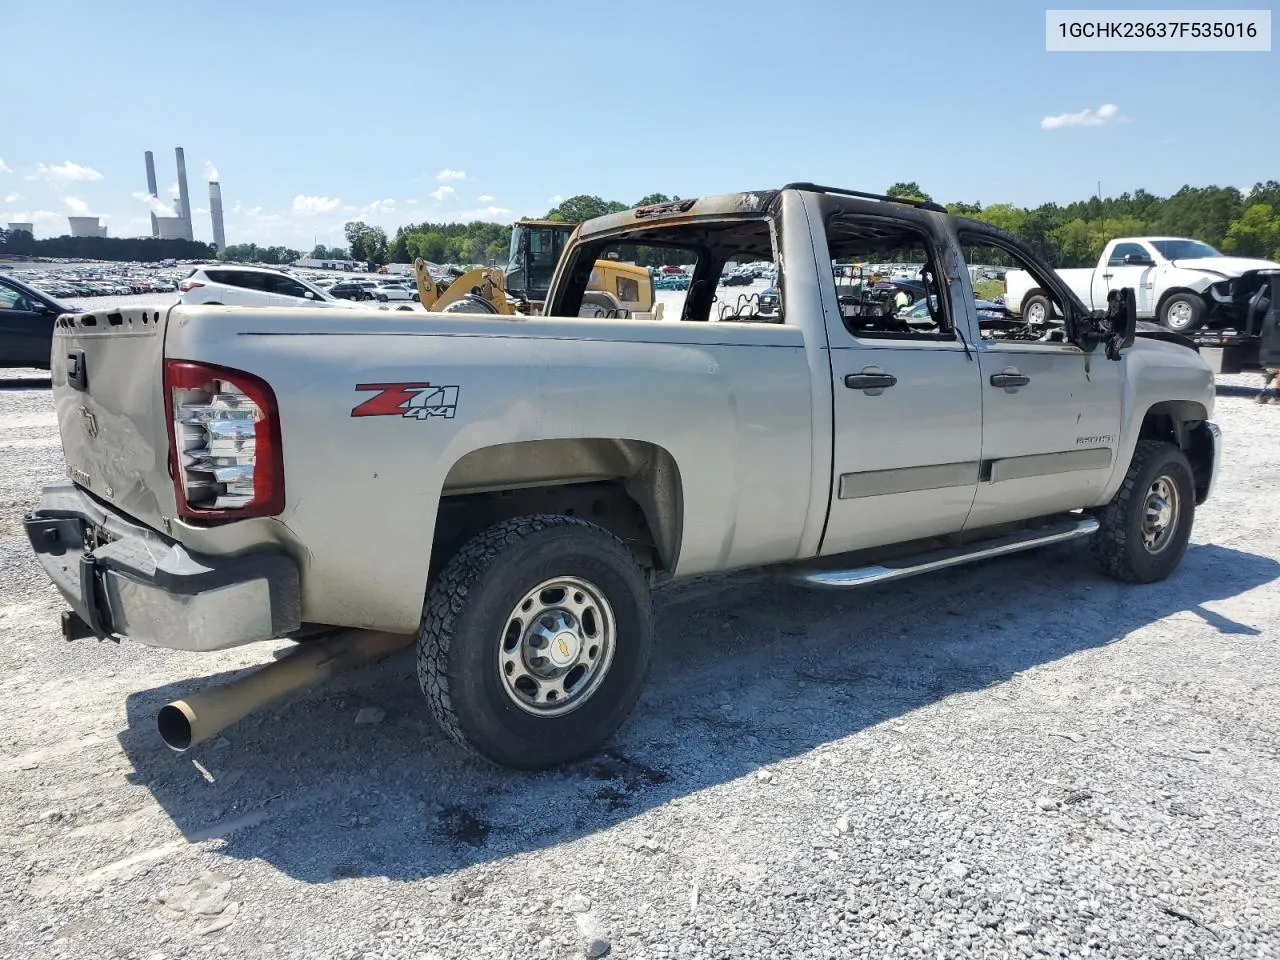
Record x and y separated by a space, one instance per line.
1118 545
465 617
1196 305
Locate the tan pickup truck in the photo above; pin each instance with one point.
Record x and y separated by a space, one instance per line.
505 490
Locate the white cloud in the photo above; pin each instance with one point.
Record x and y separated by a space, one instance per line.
443 193
556 200
382 206
174 191
314 205
64 172
412 201
492 214
4 167
446 174
210 171
77 206
1107 113
155 204
485 198
13 198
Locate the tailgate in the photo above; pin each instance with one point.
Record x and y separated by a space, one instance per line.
108 388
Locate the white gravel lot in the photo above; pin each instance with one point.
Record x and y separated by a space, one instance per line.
1019 759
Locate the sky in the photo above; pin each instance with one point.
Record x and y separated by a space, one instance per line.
316 113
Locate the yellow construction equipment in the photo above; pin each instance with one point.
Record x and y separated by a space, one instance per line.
615 289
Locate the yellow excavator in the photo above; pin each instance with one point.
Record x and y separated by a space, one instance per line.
616 289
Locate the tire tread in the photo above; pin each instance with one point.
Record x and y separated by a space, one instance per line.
447 599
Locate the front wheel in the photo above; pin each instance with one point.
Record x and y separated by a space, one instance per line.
1182 312
1144 530
1037 310
535 641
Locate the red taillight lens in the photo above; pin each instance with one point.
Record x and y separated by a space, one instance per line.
225 453
186 285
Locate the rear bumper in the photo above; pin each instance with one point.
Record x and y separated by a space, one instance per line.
126 581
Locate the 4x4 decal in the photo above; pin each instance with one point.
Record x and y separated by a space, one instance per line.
417 401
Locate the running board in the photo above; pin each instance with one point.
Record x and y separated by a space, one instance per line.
941 559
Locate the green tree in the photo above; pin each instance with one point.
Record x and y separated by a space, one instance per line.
1255 234
909 191
583 207
655 198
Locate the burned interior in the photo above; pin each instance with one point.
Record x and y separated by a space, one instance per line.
709 246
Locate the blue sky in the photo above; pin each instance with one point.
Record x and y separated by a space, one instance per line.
397 112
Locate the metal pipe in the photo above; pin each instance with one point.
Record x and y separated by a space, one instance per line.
184 723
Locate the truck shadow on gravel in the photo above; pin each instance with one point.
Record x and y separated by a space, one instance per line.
748 672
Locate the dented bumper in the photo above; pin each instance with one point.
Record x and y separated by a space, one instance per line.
125 581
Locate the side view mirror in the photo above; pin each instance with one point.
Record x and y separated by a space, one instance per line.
309 295
1137 260
1119 326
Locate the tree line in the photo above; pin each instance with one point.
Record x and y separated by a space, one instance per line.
19 243
1074 235
1067 236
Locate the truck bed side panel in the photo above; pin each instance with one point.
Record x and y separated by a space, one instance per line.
729 402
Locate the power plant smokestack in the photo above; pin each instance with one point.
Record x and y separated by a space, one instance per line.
184 202
151 189
215 214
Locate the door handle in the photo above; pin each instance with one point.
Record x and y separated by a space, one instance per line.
1008 380
869 381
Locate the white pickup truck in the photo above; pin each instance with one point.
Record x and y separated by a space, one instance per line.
1182 284
503 491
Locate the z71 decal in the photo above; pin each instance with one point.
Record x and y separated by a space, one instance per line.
417 401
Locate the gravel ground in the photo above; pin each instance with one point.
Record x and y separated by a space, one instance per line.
1015 759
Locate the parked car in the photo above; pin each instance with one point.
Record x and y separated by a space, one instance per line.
26 324
504 495
351 290
1180 283
395 290
768 302
737 278
253 287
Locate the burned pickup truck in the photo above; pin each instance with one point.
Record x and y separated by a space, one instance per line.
504 491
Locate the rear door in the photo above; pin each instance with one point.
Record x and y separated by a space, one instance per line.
26 327
907 403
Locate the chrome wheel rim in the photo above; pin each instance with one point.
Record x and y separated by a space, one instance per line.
1035 313
1160 514
556 646
1179 313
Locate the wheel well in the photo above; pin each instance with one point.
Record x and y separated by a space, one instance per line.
1181 422
1164 298
1033 292
629 487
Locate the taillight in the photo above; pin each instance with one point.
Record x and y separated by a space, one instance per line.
224 453
186 285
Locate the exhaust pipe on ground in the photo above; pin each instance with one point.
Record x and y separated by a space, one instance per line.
184 723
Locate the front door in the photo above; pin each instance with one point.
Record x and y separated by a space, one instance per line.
1139 276
1051 415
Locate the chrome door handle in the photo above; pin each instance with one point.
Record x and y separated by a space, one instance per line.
1008 380
869 381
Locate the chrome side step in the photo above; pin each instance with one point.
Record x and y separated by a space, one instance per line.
941 559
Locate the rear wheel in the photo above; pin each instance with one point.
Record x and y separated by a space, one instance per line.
535 641
1144 530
